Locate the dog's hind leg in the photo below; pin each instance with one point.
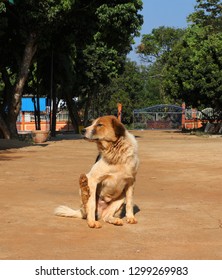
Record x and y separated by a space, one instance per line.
108 214
84 190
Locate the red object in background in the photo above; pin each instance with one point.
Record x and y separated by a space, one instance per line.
119 106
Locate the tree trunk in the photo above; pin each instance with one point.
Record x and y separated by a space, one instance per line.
7 89
37 112
73 112
3 129
54 111
15 102
86 111
38 126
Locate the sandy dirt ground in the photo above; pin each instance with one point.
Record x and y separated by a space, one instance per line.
178 192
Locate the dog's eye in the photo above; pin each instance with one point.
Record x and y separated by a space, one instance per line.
99 124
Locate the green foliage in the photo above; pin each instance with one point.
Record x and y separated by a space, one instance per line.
119 23
103 58
101 62
193 72
87 41
154 49
207 13
194 69
157 44
2 7
134 89
189 61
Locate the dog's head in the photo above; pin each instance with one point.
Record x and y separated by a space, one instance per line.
107 128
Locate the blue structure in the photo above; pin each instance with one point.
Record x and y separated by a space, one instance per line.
28 104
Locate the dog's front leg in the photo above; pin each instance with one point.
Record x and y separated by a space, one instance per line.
130 218
91 205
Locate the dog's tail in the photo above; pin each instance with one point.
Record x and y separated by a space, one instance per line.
65 211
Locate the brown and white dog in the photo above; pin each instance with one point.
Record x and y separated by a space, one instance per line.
110 182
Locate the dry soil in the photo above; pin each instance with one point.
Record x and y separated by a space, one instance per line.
178 193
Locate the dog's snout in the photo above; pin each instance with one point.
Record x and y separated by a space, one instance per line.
83 131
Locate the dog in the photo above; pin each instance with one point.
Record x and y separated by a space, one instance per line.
110 183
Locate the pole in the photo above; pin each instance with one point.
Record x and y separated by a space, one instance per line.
51 92
183 115
119 107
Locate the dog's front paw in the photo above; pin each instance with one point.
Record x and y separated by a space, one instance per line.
94 224
131 220
118 222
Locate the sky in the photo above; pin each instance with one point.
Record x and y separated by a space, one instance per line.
170 13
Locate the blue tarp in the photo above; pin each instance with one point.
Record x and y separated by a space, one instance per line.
28 104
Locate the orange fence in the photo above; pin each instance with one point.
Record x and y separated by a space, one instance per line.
29 126
193 124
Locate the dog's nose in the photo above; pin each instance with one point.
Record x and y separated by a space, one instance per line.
83 131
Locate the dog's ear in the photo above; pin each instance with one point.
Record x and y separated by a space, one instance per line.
118 127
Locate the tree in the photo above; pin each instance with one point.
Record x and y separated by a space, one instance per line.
127 89
104 58
193 72
207 13
158 44
27 23
134 88
72 29
154 50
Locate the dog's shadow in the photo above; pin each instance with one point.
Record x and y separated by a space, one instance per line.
136 209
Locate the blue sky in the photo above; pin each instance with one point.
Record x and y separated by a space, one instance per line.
170 13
